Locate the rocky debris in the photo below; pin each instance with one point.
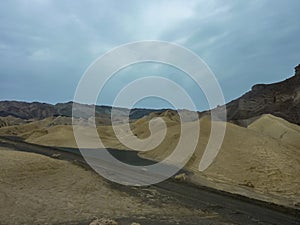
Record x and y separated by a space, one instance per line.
297 204
248 184
103 222
135 224
56 156
181 177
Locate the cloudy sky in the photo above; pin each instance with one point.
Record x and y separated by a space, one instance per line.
45 46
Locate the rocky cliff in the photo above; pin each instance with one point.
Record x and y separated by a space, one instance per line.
280 99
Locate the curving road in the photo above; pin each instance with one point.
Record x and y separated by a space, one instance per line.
239 210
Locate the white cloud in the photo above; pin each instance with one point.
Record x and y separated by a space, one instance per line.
42 54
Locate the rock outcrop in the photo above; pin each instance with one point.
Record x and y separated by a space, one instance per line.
297 70
280 99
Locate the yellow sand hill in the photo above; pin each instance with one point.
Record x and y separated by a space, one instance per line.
278 129
263 158
247 158
36 189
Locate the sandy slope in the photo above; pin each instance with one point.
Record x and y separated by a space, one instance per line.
265 164
10 121
27 128
263 158
36 189
278 129
247 158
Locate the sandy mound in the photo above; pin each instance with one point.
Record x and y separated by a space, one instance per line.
247 158
10 121
263 157
25 128
58 131
36 189
61 135
278 129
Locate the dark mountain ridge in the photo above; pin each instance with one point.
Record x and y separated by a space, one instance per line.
37 110
281 99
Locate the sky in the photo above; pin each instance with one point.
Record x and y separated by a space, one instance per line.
46 46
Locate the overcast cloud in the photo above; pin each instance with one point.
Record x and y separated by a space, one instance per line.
45 46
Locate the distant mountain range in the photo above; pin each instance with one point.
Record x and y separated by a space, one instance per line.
281 99
37 110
